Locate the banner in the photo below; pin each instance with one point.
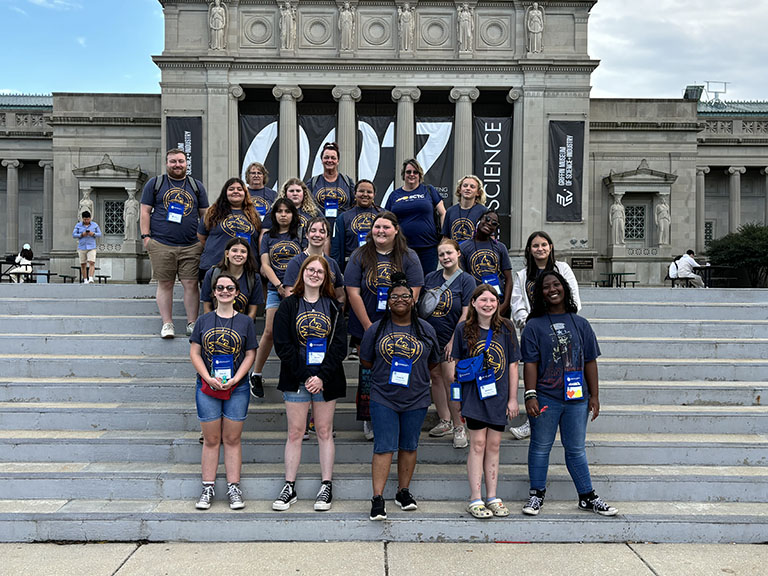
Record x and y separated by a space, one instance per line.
565 171
186 133
376 159
258 143
314 131
492 146
434 146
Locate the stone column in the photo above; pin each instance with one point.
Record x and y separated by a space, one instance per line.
516 233
406 127
346 131
288 164
47 166
764 172
701 172
12 206
462 143
236 95
734 193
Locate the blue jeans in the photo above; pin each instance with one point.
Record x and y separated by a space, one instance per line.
571 417
393 431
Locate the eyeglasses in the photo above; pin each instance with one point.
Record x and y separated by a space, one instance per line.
228 288
491 221
311 272
409 172
396 297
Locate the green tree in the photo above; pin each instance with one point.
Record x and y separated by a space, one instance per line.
746 249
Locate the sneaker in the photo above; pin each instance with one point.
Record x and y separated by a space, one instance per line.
287 497
167 331
85 281
204 503
91 280
257 386
534 506
235 497
521 432
353 355
597 506
460 437
378 508
324 497
190 328
443 428
368 430
405 499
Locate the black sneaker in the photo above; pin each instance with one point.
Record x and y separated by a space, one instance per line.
353 355
257 386
287 497
597 506
378 508
405 500
204 503
534 505
324 497
235 497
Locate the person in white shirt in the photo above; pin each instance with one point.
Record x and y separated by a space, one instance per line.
685 267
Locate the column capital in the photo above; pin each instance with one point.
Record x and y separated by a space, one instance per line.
343 92
514 95
702 169
45 163
236 91
287 93
735 169
764 171
406 93
12 163
463 93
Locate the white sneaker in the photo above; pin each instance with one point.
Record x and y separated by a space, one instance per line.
190 328
460 437
85 281
167 331
368 430
521 432
443 428
91 280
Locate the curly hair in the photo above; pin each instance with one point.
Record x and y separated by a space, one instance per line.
539 304
308 204
221 208
399 280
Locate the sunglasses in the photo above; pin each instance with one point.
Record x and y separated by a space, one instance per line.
222 288
409 172
491 221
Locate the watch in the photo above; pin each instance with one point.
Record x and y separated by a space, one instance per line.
145 236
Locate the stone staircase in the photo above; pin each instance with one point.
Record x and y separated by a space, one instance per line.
99 434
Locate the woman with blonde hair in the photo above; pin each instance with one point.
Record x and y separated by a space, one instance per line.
460 219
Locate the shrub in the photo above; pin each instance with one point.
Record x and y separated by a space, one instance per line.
746 249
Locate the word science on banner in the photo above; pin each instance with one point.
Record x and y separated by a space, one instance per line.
186 133
493 160
565 173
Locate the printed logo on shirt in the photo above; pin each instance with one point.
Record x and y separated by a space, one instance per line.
222 340
400 344
382 280
444 306
462 229
179 196
496 357
236 223
281 253
483 262
261 202
332 193
411 197
312 324
362 222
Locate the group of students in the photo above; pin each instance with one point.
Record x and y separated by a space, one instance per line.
421 334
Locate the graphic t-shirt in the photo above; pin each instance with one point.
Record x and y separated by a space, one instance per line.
459 224
262 200
281 249
415 211
233 226
249 295
351 226
292 272
178 197
482 259
313 321
452 300
216 335
325 193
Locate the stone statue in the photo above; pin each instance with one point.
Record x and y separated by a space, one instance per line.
217 20
534 25
662 220
466 26
86 204
347 26
618 219
405 16
287 26
130 215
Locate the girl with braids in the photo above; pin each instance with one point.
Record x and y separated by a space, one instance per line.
560 354
297 192
491 398
400 350
232 215
238 260
487 259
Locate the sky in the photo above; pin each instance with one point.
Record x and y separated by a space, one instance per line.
646 48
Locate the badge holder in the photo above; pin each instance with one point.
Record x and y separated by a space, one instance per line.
400 371
381 298
331 207
486 384
493 280
456 392
261 211
361 238
316 348
574 385
175 212
244 235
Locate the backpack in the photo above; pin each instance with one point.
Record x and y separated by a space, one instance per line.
312 181
192 182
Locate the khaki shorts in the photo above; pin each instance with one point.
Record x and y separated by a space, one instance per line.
87 255
168 261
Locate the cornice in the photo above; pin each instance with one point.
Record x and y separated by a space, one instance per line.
104 120
732 141
647 126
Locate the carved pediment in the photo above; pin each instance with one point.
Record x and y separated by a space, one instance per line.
640 176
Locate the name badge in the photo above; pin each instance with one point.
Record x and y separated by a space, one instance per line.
223 366
381 295
456 392
574 385
400 371
243 235
493 280
316 348
486 384
262 211
331 207
361 238
175 212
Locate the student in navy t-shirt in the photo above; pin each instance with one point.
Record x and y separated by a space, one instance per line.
317 237
415 204
489 399
257 177
561 388
331 190
352 226
238 261
296 191
461 218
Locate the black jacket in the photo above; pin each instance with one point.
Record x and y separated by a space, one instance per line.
293 365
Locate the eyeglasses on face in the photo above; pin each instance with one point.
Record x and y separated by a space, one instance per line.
228 288
396 297
409 172
311 272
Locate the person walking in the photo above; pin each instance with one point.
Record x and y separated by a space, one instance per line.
86 231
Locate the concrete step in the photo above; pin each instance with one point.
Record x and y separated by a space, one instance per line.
732 295
56 290
701 311
150 480
685 328
161 520
183 447
84 306
638 346
116 324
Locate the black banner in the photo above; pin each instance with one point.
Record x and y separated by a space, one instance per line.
259 143
186 133
493 160
565 171
376 160
314 131
434 151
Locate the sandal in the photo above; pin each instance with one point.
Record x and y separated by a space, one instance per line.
478 510
497 508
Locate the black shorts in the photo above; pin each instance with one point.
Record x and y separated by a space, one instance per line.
473 424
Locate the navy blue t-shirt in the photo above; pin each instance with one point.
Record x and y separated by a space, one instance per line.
313 321
349 226
304 217
253 296
292 272
452 300
177 192
558 343
262 200
216 335
415 211
369 282
503 356
400 341
459 224
484 258
234 225
281 249
339 191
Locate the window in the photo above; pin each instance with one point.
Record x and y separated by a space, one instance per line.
114 224
38 228
635 224
709 232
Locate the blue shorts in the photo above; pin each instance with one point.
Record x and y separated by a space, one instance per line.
303 395
393 431
210 409
273 299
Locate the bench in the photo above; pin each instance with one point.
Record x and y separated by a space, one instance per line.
101 277
633 282
67 278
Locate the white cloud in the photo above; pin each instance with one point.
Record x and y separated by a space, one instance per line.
56 4
81 40
19 10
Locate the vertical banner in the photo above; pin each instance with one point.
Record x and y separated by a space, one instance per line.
186 133
259 143
314 131
434 151
492 146
565 171
376 159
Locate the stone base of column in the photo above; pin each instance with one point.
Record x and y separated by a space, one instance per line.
617 251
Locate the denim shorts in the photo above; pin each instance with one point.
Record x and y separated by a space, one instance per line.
210 409
303 395
273 299
393 431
